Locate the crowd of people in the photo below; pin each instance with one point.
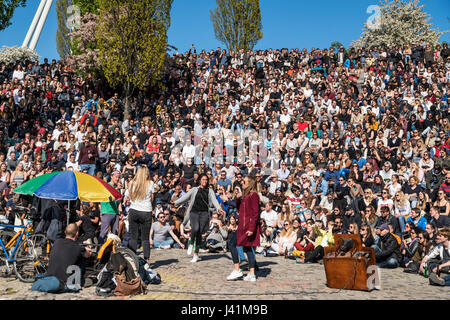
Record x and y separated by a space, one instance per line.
355 141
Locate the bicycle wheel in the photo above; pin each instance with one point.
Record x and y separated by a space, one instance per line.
40 243
131 258
42 248
26 263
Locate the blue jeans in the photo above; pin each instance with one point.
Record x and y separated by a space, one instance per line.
167 242
240 251
89 167
236 257
390 263
401 222
447 280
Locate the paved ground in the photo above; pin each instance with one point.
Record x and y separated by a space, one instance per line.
278 279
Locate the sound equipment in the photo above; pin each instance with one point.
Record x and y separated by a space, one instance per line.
347 263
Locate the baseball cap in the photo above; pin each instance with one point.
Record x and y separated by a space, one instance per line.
384 226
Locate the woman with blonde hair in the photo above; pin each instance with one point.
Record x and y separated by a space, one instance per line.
140 191
402 208
285 240
285 214
353 228
367 200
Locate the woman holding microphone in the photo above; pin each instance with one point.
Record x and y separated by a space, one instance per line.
249 229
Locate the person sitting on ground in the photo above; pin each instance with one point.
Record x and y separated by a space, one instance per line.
438 260
410 244
412 266
88 223
387 252
438 219
306 241
367 238
67 252
285 239
216 240
415 218
324 238
265 238
161 234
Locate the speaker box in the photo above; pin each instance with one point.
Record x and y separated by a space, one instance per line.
349 269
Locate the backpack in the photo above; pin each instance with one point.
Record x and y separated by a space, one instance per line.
127 282
118 264
54 229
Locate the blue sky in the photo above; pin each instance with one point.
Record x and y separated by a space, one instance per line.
291 24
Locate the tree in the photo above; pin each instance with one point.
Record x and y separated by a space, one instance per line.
237 23
87 6
399 22
336 45
63 43
7 8
12 54
132 42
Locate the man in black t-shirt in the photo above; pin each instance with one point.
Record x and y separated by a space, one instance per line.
66 252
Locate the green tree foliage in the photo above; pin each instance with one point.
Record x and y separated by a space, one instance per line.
7 8
237 23
336 45
400 22
87 6
132 42
63 43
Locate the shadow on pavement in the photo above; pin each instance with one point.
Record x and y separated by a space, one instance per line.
263 272
214 256
161 263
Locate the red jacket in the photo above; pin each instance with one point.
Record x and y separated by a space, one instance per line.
249 221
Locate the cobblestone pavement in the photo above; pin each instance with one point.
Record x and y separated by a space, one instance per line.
278 278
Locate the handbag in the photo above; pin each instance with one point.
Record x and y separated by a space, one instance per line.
126 288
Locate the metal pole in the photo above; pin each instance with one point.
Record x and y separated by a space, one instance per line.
68 212
40 25
33 24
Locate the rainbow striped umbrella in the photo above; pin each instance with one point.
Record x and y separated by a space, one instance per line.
69 185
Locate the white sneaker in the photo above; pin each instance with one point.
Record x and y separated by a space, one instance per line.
195 259
165 247
235 275
249 277
189 250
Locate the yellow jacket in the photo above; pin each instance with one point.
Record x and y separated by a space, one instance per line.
321 235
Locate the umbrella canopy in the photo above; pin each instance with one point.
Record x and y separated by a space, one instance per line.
69 185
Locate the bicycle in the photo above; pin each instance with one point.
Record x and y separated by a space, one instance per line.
113 244
22 252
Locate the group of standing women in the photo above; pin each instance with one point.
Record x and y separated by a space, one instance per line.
201 199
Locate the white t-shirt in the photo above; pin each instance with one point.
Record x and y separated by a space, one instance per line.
142 204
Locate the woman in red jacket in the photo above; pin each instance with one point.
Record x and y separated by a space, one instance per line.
249 229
